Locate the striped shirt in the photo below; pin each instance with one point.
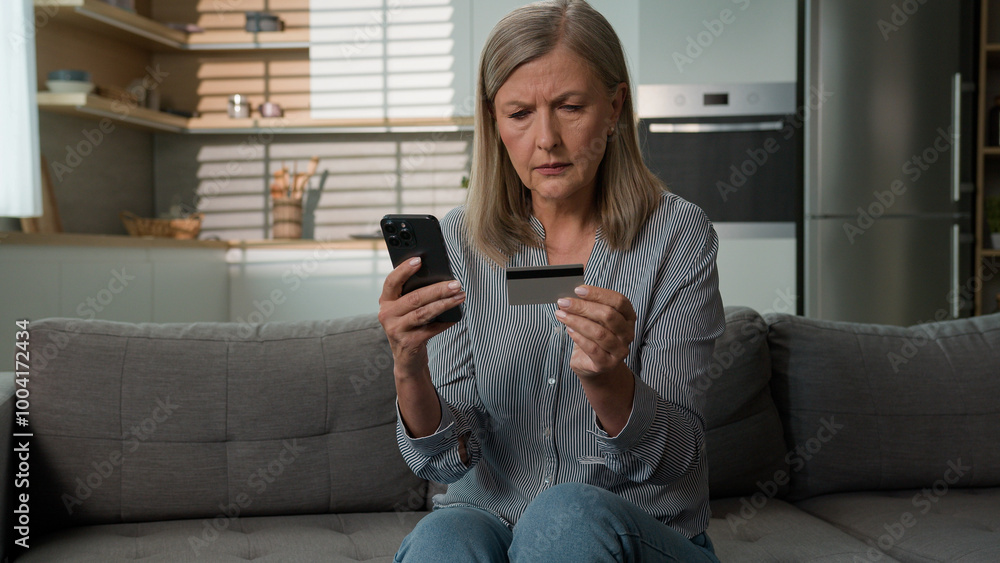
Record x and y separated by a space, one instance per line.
504 380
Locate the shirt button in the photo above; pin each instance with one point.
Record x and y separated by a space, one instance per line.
548 432
546 481
552 381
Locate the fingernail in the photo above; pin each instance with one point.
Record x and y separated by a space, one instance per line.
459 296
564 303
581 291
561 314
455 285
415 261
568 329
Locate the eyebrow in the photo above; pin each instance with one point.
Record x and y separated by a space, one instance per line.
558 100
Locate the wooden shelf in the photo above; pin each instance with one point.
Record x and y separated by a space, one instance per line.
91 106
222 124
150 34
238 40
76 239
96 107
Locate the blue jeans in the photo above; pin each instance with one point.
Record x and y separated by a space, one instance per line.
572 522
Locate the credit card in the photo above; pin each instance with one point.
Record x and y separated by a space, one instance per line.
534 285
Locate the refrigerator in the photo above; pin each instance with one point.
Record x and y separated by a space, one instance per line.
888 150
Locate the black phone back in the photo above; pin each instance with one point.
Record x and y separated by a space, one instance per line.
409 236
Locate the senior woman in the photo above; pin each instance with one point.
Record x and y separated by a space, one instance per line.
571 431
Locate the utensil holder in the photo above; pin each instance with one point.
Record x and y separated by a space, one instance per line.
286 217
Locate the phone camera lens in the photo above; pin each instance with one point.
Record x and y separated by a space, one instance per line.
406 236
393 241
389 229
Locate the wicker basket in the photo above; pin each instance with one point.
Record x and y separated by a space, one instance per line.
186 228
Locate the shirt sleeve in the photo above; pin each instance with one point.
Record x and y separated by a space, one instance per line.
664 437
436 457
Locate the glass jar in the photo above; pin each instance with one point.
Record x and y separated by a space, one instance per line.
239 106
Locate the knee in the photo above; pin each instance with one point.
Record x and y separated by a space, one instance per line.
567 519
445 525
464 534
568 504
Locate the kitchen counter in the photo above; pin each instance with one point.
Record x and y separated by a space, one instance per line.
124 241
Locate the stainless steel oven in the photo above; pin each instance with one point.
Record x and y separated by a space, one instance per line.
731 149
735 151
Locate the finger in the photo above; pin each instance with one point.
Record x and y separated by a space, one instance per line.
604 315
419 307
595 335
425 314
601 358
392 287
426 295
607 297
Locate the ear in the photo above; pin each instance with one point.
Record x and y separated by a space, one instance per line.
618 101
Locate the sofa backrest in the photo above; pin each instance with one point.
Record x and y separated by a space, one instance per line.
869 407
744 439
137 422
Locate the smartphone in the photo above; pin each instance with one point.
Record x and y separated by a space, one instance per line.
408 236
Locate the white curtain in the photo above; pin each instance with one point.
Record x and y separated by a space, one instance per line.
20 167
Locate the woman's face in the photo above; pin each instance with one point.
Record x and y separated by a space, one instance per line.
554 118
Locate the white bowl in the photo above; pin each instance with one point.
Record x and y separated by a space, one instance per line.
69 86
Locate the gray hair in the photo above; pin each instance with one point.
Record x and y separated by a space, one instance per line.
499 207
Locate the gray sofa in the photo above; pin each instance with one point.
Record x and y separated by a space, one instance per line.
221 443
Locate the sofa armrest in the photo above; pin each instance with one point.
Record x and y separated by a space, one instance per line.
6 463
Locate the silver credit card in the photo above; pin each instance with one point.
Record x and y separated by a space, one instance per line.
534 285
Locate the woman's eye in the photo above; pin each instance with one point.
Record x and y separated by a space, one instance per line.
568 107
518 114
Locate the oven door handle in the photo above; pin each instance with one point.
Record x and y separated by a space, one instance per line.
715 127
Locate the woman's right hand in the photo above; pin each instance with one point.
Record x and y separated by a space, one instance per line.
407 319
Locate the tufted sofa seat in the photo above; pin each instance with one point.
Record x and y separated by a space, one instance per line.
335 538
220 442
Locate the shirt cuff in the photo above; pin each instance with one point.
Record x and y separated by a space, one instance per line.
440 441
639 421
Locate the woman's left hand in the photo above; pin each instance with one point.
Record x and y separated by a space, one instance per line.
601 323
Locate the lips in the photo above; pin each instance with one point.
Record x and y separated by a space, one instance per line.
552 169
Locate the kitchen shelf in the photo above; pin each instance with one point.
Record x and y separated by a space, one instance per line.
91 106
96 107
278 125
77 239
986 155
141 31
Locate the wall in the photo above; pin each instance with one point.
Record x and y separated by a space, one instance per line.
98 169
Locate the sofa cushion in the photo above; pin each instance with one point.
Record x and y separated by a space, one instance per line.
327 538
868 407
775 531
744 438
935 524
140 422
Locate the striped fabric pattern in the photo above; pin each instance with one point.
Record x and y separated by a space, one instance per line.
504 380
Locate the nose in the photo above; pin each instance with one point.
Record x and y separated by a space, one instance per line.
547 131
